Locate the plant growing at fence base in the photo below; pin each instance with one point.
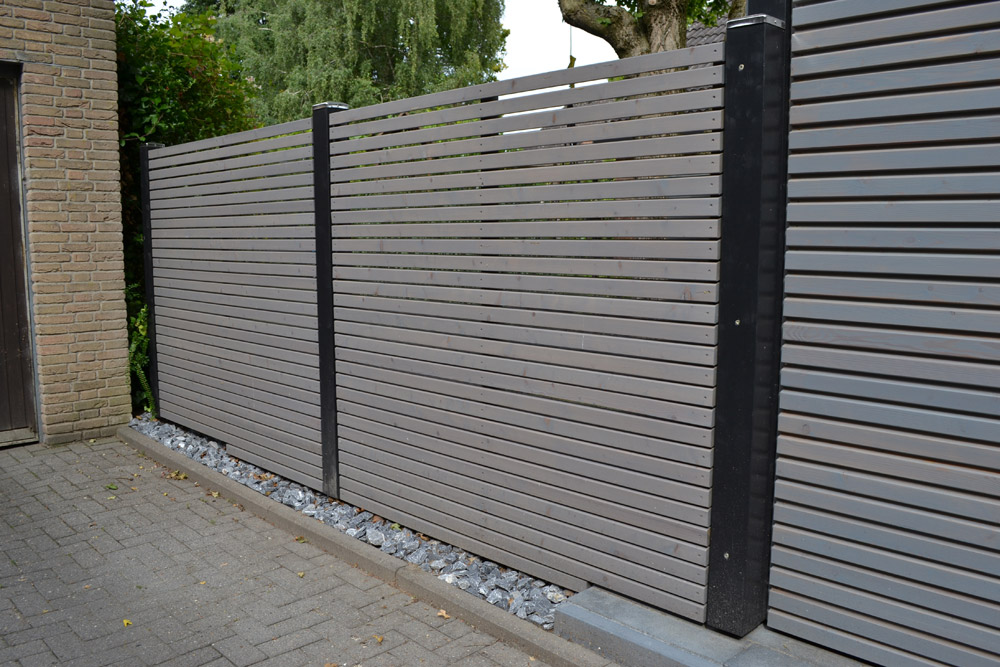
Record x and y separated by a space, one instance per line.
138 360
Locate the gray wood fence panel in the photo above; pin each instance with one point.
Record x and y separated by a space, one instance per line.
506 282
234 271
887 514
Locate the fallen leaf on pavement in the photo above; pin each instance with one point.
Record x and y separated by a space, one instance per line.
378 638
301 574
126 622
301 540
112 487
443 614
201 583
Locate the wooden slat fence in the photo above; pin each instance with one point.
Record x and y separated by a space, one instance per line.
233 249
887 515
525 290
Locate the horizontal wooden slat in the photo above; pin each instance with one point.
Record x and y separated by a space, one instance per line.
263 225
297 206
881 511
913 592
235 138
666 187
199 285
305 178
914 104
897 391
606 363
514 480
926 621
505 165
947 265
649 248
653 350
619 228
891 562
541 458
707 207
645 309
263 346
937 47
237 176
597 398
921 131
241 441
526 532
516 114
689 320
913 544
629 129
235 150
235 358
663 166
304 322
914 185
237 269
268 431
897 159
236 322
619 504
500 283
253 196
584 414
707 271
227 167
808 15
364 448
308 425
251 388
928 76
912 23
304 391
650 63
460 413
221 281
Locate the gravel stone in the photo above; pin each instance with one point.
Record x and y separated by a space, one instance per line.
518 594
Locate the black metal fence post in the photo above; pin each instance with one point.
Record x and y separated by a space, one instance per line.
754 187
147 265
324 292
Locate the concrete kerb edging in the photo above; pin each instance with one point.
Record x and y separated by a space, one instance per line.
410 579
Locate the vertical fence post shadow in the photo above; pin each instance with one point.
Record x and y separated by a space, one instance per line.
754 187
147 265
324 292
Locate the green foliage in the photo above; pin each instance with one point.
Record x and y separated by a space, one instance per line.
301 52
138 360
707 12
176 83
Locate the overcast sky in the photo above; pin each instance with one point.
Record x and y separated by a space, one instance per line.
539 41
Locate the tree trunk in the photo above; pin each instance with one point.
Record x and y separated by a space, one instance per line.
662 26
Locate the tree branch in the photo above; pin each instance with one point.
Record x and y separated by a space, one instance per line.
613 24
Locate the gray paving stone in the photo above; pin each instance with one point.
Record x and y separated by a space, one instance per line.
75 566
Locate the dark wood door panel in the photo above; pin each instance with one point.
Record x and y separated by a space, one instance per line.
17 404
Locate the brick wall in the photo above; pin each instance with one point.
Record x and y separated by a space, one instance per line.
69 127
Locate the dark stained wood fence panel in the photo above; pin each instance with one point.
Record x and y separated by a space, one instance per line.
526 294
887 516
234 275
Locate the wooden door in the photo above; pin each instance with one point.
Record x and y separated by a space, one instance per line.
17 401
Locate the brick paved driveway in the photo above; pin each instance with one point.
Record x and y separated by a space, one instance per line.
201 581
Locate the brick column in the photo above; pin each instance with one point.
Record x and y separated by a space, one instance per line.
69 130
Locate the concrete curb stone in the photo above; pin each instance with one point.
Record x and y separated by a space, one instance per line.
424 586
